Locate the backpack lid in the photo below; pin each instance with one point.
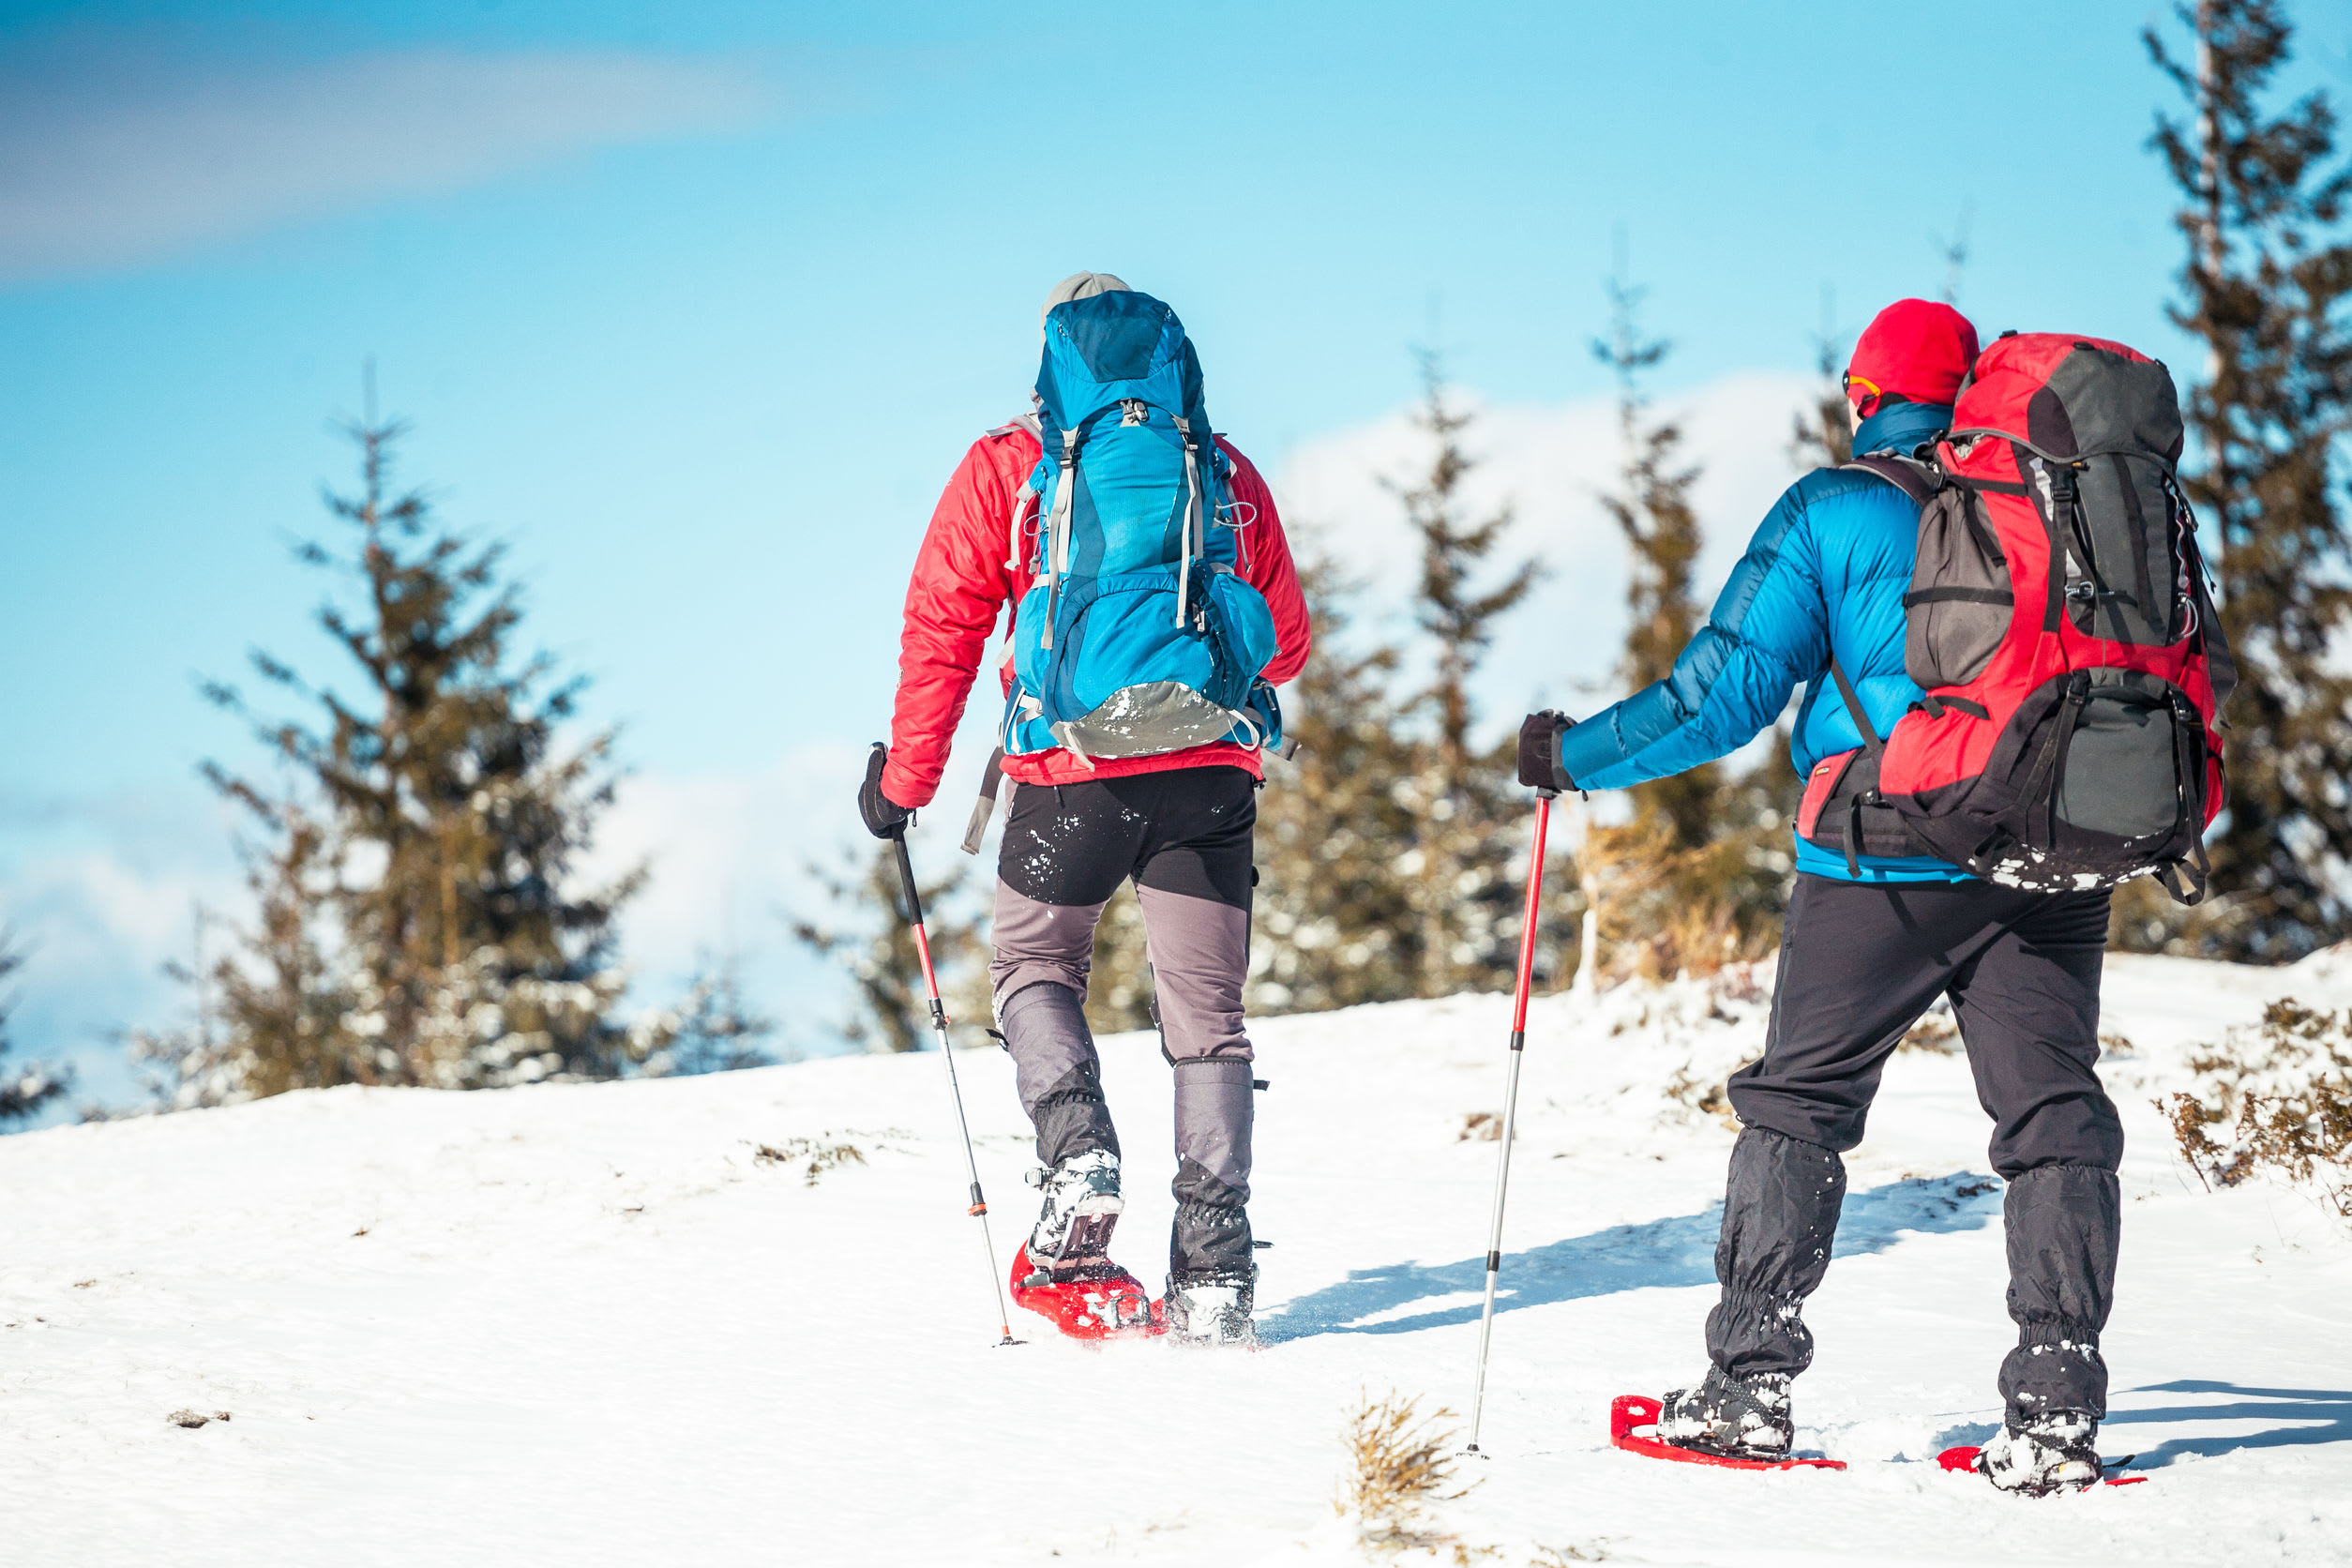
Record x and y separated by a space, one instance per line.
1114 348
2068 396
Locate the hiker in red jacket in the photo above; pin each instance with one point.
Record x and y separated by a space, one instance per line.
1156 782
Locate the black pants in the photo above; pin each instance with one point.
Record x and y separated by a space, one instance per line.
1184 836
1858 964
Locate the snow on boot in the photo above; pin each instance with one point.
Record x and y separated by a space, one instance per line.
1743 1418
1208 1311
1082 1204
2054 1452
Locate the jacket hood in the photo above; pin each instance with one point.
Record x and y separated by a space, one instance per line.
1900 426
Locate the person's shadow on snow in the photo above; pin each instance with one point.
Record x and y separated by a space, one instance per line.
1664 1252
2313 1415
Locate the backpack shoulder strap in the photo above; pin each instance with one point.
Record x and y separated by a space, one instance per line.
1908 475
1020 422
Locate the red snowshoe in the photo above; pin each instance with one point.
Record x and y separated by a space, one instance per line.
1631 1410
1091 1298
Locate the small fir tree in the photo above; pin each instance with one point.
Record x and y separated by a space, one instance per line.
1466 814
1656 513
1698 876
866 936
714 1028
1331 909
24 1088
418 919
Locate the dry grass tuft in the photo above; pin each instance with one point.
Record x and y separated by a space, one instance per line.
814 1155
1480 1126
1399 1462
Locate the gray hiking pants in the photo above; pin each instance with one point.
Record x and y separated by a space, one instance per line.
1858 964
1184 836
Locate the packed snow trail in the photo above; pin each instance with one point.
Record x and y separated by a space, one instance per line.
596 1325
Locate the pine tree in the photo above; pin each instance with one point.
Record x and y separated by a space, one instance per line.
714 1028
1661 525
1331 909
1466 812
1698 876
2268 269
868 939
24 1089
276 1015
418 918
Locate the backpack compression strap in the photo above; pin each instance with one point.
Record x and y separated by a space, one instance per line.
1055 537
1193 529
1874 746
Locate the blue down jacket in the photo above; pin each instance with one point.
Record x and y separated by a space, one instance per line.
1827 570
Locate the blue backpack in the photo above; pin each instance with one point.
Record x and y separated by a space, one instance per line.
1138 637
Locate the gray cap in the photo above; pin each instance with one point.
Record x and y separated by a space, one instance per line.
1079 285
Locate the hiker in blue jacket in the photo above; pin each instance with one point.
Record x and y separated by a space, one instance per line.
1871 939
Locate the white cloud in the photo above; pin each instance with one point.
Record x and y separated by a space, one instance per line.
101 894
1551 464
113 154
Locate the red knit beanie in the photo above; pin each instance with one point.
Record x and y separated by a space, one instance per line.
1914 347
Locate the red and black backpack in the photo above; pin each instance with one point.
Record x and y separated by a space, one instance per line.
2060 623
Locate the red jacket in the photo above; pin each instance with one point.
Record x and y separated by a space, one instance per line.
961 581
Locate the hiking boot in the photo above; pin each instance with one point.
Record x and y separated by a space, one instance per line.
1082 1204
2054 1452
1211 1311
1740 1418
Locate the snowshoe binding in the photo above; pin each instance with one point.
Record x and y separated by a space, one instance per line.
1212 1310
1630 1414
1064 1271
1731 1418
2055 1452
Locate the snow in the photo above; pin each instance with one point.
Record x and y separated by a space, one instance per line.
590 1324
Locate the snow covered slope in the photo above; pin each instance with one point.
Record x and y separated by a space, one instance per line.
593 1325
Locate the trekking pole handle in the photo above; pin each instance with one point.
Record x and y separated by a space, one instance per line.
914 921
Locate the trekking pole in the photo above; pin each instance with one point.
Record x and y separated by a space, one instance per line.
979 1210
1511 1098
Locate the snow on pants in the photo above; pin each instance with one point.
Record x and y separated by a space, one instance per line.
1858 964
1183 835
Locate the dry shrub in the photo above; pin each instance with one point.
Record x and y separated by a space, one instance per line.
1709 1095
1937 1030
1480 1126
820 1156
1666 912
2279 1093
1399 1462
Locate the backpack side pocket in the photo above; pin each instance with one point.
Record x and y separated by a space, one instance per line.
1958 610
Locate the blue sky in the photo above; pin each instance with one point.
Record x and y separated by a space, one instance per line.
696 307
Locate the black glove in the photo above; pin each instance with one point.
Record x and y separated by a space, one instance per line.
1539 751
885 817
